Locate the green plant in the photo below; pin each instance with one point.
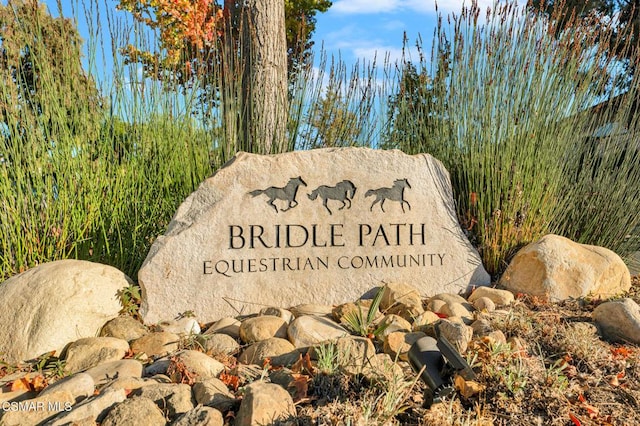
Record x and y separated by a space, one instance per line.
364 325
130 299
328 358
389 398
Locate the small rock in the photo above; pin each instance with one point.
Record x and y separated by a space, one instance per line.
355 353
264 403
394 322
156 344
425 318
128 383
213 393
95 408
383 368
159 366
261 328
200 416
39 409
221 344
455 309
401 299
497 296
397 344
182 326
199 364
459 335
173 398
481 327
435 305
91 351
280 351
310 330
106 372
311 309
80 385
448 298
496 337
229 326
619 320
125 328
484 304
134 412
287 316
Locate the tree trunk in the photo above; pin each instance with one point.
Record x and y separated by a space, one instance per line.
264 80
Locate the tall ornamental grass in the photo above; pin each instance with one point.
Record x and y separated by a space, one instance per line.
504 101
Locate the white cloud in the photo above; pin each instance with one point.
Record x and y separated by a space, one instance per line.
364 6
420 6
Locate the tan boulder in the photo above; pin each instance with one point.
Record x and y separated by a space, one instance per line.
556 268
264 403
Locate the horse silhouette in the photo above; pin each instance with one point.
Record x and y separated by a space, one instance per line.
395 193
287 193
343 191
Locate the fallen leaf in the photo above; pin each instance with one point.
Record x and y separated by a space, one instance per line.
20 384
467 388
300 385
230 380
574 419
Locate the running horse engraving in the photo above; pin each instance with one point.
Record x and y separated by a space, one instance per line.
395 193
287 193
343 192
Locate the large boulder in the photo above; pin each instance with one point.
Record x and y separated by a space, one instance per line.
53 304
313 227
556 268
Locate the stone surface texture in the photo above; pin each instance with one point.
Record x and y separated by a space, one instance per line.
264 403
91 351
310 330
254 234
556 268
619 320
134 412
56 303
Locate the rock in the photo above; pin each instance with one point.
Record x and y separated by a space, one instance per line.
213 393
264 403
229 326
397 344
401 299
262 328
496 337
158 343
497 296
556 268
280 351
393 322
383 369
459 335
94 408
286 315
355 353
80 386
619 320
199 364
425 318
91 351
181 326
221 344
455 309
310 330
106 372
449 298
128 383
54 304
484 304
200 416
38 410
481 327
172 398
159 366
134 412
311 309
264 230
125 328
435 305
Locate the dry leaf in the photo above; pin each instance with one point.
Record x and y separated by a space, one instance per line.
300 384
467 388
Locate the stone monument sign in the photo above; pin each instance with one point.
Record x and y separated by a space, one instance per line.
321 226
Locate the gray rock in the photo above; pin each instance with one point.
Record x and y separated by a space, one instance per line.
135 411
200 416
310 330
280 351
401 299
262 328
229 326
174 399
481 327
80 386
257 233
181 326
619 320
459 335
125 328
95 408
202 366
91 351
264 403
497 296
108 371
213 393
56 303
39 409
156 344
355 353
556 268
221 344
